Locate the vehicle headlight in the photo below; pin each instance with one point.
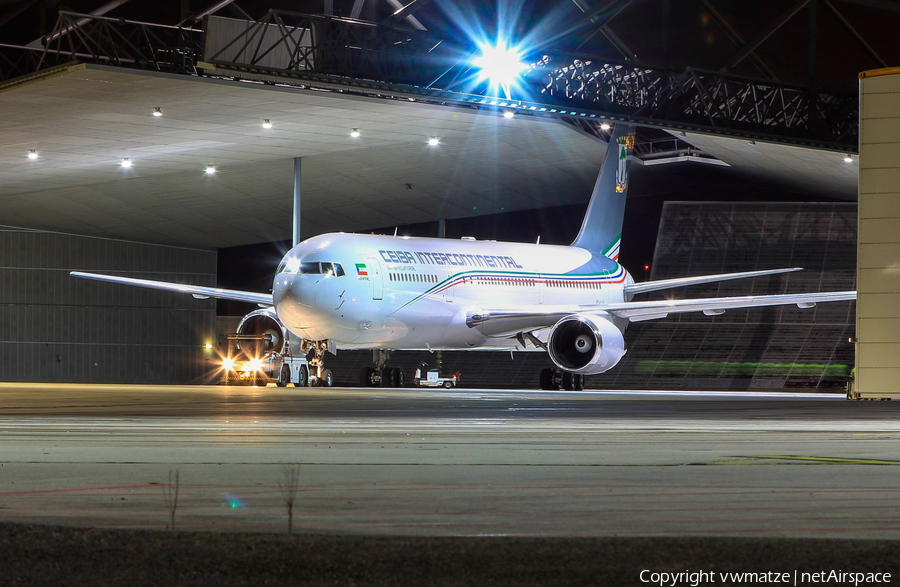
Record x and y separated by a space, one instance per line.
255 364
228 363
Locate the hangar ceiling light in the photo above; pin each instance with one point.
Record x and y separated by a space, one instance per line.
434 141
509 114
500 65
848 158
32 154
354 132
210 170
157 112
126 162
266 123
605 126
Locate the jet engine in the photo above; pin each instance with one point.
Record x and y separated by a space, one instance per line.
586 344
265 322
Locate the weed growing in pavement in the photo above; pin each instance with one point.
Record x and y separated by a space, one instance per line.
170 494
289 485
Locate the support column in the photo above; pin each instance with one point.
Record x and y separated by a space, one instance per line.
296 236
442 228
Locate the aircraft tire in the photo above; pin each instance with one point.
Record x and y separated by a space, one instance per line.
389 376
547 379
327 379
399 376
579 382
285 377
365 377
448 385
303 378
569 381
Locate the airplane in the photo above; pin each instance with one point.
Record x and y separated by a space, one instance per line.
348 291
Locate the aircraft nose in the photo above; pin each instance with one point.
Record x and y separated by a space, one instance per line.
283 289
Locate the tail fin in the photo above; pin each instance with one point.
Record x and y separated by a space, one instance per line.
601 230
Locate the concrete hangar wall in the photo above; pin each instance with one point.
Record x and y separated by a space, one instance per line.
56 328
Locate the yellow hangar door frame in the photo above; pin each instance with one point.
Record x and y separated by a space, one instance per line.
878 246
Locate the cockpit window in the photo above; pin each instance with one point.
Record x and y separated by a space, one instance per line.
312 268
288 265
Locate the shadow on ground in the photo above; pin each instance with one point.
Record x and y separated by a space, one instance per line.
44 555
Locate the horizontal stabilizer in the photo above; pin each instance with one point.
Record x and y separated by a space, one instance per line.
648 286
198 291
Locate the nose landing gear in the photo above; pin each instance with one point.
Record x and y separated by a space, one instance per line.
319 376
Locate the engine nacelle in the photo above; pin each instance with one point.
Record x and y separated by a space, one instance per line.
586 344
266 322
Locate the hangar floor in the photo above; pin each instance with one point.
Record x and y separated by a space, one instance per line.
468 462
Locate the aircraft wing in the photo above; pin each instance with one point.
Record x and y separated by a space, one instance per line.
198 291
648 286
509 321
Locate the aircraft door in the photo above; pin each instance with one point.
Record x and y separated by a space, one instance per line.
448 292
377 276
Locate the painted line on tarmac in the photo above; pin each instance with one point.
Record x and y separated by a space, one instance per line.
643 393
837 460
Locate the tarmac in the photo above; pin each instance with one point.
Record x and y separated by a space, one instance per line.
433 463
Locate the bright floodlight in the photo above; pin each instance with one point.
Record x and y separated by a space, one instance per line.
499 64
354 132
848 159
210 170
157 112
267 124
509 114
605 126
126 162
434 141
32 154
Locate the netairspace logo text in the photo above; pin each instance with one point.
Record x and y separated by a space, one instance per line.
796 578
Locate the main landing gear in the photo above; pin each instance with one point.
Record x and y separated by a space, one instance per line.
381 375
319 376
555 379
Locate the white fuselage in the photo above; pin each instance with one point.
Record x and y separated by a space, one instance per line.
415 293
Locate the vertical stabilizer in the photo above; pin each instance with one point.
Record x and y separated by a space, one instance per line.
601 230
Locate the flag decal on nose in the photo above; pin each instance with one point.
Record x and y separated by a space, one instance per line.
361 270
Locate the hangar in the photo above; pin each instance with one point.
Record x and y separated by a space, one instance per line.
176 101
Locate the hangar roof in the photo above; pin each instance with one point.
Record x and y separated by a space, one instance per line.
795 169
83 120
